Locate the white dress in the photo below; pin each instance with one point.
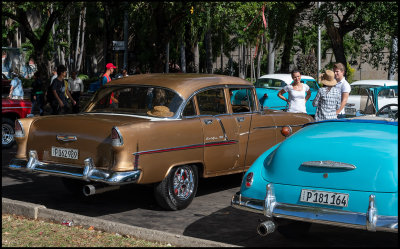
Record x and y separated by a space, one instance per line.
297 99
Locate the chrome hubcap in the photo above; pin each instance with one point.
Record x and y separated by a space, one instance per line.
183 182
7 134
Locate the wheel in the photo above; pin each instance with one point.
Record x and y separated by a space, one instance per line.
294 229
7 139
389 111
178 189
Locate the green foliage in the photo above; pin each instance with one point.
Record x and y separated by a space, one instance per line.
307 64
83 77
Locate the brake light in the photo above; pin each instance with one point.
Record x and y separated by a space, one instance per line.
116 137
18 130
249 179
286 131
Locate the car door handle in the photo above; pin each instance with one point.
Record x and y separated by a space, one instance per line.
240 119
208 121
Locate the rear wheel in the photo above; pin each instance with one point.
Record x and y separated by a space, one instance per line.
8 131
294 229
178 189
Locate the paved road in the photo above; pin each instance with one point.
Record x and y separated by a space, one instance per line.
208 217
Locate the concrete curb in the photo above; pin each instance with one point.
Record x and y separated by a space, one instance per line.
34 211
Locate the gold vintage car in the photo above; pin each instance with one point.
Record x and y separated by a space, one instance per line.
162 129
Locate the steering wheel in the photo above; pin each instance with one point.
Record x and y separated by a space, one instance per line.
388 110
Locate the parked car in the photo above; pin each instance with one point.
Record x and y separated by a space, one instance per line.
268 86
361 96
351 180
166 130
11 109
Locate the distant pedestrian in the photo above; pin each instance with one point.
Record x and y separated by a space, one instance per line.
328 98
37 94
76 88
106 76
16 90
343 86
297 94
54 74
60 104
124 73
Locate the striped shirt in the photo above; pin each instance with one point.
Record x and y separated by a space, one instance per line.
327 102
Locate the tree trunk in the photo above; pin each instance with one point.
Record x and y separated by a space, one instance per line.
183 57
167 58
271 57
68 64
78 67
209 52
288 44
126 36
195 50
392 59
259 55
78 36
106 41
222 56
336 41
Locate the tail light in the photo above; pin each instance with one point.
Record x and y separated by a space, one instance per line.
18 130
116 137
249 179
286 131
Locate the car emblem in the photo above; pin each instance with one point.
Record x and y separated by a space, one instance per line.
66 138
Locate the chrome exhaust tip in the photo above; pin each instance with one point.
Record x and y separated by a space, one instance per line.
93 189
266 227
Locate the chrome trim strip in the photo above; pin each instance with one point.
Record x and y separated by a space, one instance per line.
120 137
23 107
87 173
223 128
265 127
329 164
277 126
66 138
318 215
17 134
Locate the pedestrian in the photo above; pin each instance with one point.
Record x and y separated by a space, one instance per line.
328 97
60 104
54 74
124 73
16 90
343 86
76 88
37 94
106 76
297 94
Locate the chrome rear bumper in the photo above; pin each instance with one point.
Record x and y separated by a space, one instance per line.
87 173
370 220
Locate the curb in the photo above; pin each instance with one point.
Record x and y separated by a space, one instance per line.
40 212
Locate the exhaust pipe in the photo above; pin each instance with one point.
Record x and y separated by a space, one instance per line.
266 228
97 189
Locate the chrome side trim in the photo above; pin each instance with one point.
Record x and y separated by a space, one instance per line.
329 164
277 126
223 128
320 215
87 173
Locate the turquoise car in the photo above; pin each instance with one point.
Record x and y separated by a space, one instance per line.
339 172
268 86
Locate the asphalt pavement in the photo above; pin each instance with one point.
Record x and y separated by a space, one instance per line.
208 221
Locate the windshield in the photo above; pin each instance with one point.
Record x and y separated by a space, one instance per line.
137 100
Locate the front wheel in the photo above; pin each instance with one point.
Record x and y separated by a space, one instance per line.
7 139
178 189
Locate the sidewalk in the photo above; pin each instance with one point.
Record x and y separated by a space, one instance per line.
40 212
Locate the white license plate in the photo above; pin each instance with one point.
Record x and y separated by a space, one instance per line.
64 153
350 111
324 198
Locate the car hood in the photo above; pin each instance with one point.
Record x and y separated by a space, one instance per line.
372 147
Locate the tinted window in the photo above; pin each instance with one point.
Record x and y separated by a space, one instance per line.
211 102
189 109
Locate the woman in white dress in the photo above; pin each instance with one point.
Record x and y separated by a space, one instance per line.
297 94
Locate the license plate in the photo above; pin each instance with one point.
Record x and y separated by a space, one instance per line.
64 152
324 198
350 111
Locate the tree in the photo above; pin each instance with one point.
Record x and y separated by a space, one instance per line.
38 38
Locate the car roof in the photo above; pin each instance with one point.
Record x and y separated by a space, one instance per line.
285 77
375 83
182 83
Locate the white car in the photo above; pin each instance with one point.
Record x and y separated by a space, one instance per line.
361 99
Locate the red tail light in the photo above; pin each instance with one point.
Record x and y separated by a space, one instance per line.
18 130
249 179
116 137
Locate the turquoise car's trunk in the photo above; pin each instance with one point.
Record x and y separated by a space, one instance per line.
373 152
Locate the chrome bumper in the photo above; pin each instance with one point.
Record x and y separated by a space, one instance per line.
370 220
87 173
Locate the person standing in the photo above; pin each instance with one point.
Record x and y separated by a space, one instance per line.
16 90
37 94
297 94
106 76
60 104
328 98
124 73
343 86
54 72
76 87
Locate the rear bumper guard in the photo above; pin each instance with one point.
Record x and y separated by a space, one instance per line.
87 173
370 220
